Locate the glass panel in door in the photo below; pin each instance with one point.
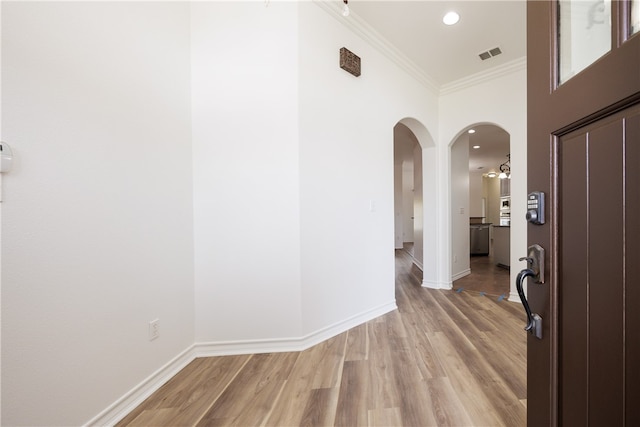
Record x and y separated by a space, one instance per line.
635 16
584 32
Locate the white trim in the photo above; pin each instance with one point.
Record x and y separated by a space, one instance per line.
430 285
133 398
484 76
359 27
417 263
436 285
460 275
225 348
514 297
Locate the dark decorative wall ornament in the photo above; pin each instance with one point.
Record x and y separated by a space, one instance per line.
349 61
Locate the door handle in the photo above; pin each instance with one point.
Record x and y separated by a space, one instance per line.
534 321
536 272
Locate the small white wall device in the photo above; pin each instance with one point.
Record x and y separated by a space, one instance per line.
6 157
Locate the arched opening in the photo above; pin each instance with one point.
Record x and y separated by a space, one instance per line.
480 210
407 159
414 195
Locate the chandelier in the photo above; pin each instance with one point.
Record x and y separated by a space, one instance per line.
505 168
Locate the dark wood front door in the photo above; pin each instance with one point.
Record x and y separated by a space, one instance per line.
584 154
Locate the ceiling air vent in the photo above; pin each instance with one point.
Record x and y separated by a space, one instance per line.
490 53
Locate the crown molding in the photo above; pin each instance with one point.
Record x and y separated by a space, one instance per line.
484 76
358 26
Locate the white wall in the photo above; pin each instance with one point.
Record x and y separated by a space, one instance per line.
460 207
491 189
97 236
293 173
503 103
346 166
398 184
475 195
408 215
210 165
246 170
418 207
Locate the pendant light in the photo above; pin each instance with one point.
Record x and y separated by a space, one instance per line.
505 168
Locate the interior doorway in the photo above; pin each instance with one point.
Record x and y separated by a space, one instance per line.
408 193
480 210
414 144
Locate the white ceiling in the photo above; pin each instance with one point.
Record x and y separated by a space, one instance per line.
450 53
493 151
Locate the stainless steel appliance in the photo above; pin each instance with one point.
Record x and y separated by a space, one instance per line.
505 210
479 239
505 204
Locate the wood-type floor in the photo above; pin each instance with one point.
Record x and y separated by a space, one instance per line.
485 277
442 359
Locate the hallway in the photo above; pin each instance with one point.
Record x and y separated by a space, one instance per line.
442 359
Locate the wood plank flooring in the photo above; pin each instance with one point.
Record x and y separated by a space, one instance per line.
442 359
485 277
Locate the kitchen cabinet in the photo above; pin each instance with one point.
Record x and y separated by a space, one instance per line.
505 187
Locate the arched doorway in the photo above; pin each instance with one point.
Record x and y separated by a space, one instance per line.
407 155
415 195
480 201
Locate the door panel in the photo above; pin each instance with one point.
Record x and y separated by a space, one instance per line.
592 282
632 271
605 283
573 354
598 283
583 152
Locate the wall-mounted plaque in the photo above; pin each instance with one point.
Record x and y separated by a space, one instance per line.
349 61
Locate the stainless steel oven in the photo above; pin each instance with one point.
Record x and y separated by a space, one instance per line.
505 204
505 210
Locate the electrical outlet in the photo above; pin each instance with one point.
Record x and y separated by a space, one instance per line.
154 329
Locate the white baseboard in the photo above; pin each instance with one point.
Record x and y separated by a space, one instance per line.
121 407
514 297
431 285
461 274
225 348
436 285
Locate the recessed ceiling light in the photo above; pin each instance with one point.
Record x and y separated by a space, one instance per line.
471 131
451 18
476 146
